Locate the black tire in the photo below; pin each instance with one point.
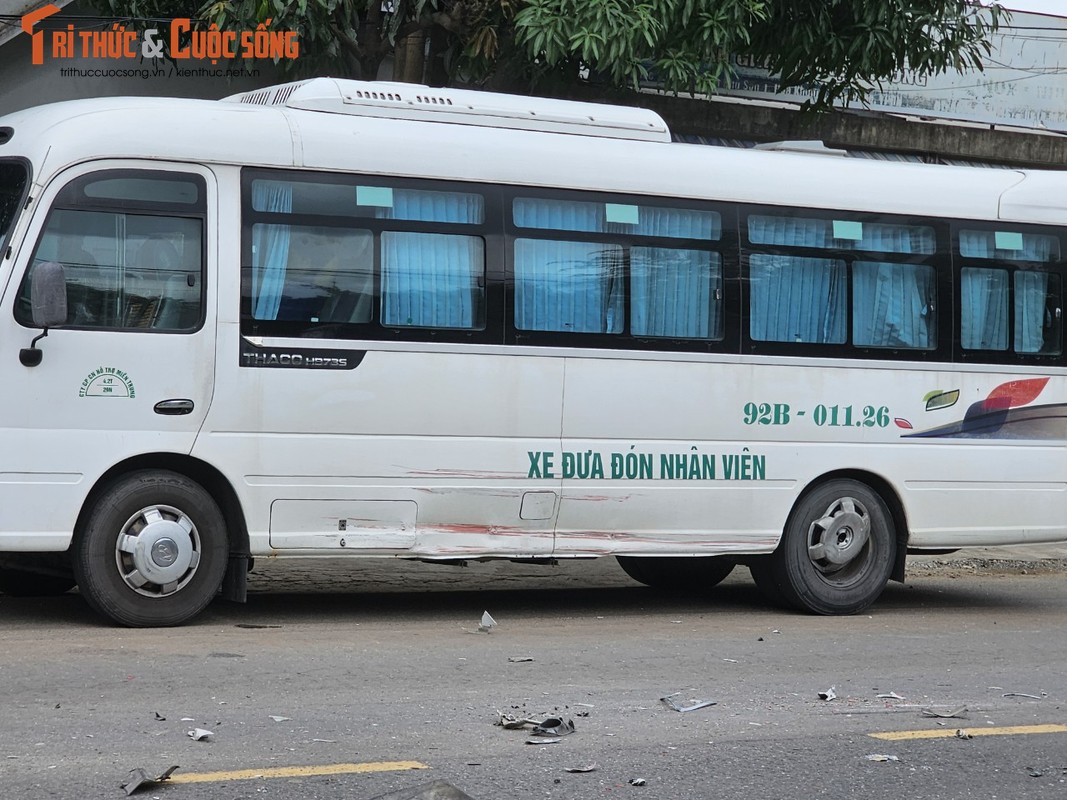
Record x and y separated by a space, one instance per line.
837 551
153 551
23 583
763 575
677 573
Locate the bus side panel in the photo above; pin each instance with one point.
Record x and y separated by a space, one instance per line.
413 453
710 457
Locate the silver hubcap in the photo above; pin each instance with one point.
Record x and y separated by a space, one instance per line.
158 551
839 538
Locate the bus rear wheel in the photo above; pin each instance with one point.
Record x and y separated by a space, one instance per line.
682 574
837 551
153 551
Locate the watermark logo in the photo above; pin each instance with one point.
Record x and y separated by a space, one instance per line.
181 40
37 37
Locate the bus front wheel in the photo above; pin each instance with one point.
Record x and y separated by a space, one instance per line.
153 550
837 551
678 573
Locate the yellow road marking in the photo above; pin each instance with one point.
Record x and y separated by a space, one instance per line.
949 733
295 772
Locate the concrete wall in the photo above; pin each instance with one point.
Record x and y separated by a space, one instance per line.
730 119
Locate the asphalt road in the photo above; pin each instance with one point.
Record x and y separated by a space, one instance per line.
382 685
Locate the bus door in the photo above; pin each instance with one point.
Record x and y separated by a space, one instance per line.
131 371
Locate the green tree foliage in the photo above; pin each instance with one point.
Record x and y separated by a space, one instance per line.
842 48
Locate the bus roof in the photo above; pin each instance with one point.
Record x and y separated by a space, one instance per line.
325 125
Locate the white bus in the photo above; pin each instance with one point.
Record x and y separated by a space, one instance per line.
340 319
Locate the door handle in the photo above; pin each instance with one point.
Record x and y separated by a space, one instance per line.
173 408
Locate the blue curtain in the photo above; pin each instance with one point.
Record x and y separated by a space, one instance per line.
982 244
892 305
270 248
559 215
797 299
568 286
876 236
426 206
1031 311
431 280
802 299
675 293
984 293
984 307
574 215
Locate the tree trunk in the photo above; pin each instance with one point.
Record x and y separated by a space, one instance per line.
410 58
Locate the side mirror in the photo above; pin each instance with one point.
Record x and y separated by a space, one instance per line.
48 295
48 306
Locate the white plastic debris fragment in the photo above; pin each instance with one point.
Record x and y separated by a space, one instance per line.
889 696
544 740
199 734
829 694
488 623
952 712
586 768
670 702
638 781
279 719
1042 696
881 757
138 779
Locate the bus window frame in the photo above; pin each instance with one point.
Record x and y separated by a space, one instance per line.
725 246
1058 267
86 203
940 260
374 330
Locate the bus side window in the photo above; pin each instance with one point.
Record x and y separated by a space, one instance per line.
129 264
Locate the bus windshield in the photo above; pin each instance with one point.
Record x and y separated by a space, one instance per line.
13 177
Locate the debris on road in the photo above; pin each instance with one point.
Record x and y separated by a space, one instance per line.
488 623
638 781
881 757
1042 696
671 703
962 734
959 711
510 722
553 726
586 768
544 740
829 694
519 659
889 696
138 779
160 717
199 734
280 719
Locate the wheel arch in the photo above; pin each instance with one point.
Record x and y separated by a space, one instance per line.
889 496
213 481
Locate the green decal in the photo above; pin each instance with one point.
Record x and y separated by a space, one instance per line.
634 466
107 382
